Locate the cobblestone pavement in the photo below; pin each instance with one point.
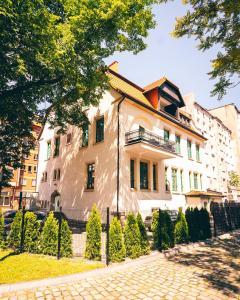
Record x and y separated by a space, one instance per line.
206 272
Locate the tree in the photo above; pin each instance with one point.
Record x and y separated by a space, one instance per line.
181 232
14 237
234 179
117 250
31 232
205 224
94 231
1 230
52 53
169 228
132 237
49 236
143 235
161 237
212 23
66 240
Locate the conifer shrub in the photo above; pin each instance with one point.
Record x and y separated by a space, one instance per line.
196 224
66 240
2 242
132 237
117 250
161 237
189 214
31 232
145 249
181 232
170 228
94 230
14 237
49 236
205 224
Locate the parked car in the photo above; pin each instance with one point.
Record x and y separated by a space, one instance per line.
148 220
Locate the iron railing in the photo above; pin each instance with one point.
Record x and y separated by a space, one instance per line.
139 135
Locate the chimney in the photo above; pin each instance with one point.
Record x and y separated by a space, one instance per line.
114 66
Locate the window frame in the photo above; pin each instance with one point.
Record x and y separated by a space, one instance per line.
67 138
198 152
85 135
189 149
49 144
178 143
144 180
91 176
155 176
132 174
164 135
99 137
174 180
56 146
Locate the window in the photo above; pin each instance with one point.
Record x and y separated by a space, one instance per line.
56 174
181 180
4 201
167 187
190 180
33 182
29 169
23 181
201 182
195 180
23 167
85 135
35 169
69 138
197 152
174 180
154 177
57 146
143 175
132 174
48 149
44 176
35 157
189 148
166 135
90 176
178 144
100 130
141 131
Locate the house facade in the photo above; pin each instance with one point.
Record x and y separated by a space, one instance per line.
140 152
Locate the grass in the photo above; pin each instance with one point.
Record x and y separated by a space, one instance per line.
25 267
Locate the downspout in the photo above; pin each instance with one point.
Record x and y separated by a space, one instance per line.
118 152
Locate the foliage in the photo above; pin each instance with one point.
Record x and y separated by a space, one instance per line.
132 237
170 228
234 179
117 250
49 236
205 226
214 23
145 249
31 232
193 225
1 229
66 240
14 237
94 230
161 231
58 58
181 232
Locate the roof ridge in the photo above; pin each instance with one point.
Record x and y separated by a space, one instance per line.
126 80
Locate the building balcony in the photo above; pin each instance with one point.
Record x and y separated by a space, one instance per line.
149 145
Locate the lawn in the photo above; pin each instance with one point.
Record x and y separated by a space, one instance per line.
25 267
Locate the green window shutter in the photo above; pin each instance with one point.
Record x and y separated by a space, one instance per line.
48 150
85 135
99 130
189 146
195 179
197 153
174 180
57 146
154 177
132 175
178 142
166 135
181 179
190 181
143 175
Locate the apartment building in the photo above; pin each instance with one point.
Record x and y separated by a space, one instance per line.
219 156
140 152
24 180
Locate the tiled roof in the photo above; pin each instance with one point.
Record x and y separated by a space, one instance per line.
154 84
204 193
123 85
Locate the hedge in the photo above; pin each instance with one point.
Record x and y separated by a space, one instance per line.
117 250
132 237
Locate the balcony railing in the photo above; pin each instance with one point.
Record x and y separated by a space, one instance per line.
139 135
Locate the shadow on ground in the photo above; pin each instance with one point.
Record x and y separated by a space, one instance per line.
217 261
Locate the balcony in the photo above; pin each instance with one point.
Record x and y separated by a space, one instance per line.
149 145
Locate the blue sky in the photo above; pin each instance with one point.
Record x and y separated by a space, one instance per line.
177 59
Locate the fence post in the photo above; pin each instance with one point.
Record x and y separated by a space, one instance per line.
20 200
59 234
107 237
22 231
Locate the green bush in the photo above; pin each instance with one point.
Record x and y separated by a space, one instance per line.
117 250
160 231
205 226
66 240
31 232
181 232
169 228
94 230
132 237
2 243
145 249
49 236
14 237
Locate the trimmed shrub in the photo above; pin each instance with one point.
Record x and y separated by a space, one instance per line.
66 240
49 236
205 224
160 231
94 230
132 237
2 244
117 250
31 232
181 229
145 249
14 237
